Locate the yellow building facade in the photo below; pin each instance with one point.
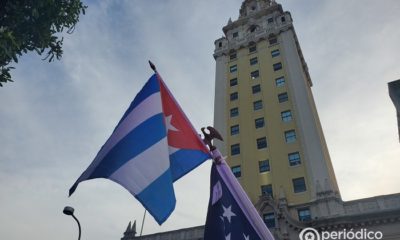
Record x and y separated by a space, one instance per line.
265 110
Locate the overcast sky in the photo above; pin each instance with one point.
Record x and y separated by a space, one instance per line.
55 117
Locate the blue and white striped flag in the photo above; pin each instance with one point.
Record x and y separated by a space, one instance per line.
152 146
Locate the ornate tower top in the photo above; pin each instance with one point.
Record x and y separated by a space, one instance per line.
251 6
258 20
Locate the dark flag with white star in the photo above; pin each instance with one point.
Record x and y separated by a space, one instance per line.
231 215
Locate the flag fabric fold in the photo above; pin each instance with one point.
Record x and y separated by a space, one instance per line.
153 145
231 215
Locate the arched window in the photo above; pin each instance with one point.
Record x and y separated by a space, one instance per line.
253 28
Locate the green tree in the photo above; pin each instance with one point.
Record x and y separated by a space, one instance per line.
34 25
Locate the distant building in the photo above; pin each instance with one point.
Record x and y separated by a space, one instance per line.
394 93
264 109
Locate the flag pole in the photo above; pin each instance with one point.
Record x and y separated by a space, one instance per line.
152 66
144 216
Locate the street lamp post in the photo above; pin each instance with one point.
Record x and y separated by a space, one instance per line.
70 211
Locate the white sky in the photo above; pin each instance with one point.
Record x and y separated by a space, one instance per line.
55 117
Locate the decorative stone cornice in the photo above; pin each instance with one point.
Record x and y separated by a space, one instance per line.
251 38
256 15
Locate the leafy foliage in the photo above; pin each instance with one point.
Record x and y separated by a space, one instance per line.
34 25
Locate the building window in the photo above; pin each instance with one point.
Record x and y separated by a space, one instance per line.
266 190
283 19
233 82
234 112
269 220
252 48
220 44
235 149
237 171
272 40
279 82
257 105
275 53
234 96
262 143
259 122
286 116
235 35
232 56
233 68
304 214
253 61
235 130
263 166
256 88
299 185
277 66
290 136
294 159
270 20
283 97
255 74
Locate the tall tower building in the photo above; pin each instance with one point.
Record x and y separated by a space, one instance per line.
265 110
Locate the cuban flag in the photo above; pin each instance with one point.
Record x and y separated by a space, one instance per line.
231 215
153 145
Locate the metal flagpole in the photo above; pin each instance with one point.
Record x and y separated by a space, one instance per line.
144 216
153 67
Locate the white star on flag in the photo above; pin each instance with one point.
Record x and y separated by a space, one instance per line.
228 213
246 237
169 124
